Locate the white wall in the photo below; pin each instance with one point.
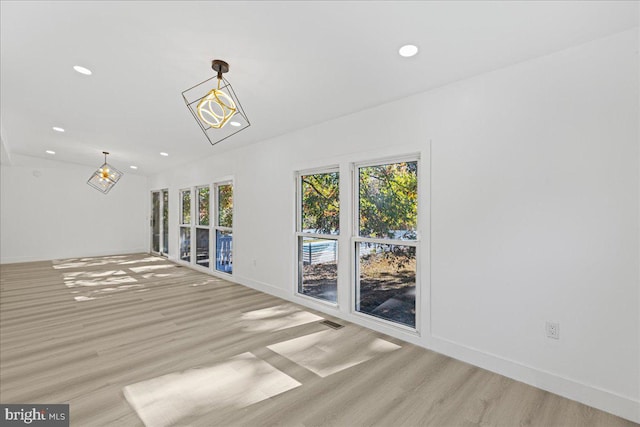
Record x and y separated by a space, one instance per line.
529 208
49 212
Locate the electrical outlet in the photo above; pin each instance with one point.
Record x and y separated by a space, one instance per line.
553 330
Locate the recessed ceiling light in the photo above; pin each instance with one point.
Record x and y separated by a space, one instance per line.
408 50
236 124
50 152
133 167
164 154
82 70
58 129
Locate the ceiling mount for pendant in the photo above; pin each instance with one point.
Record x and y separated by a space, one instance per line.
220 67
214 108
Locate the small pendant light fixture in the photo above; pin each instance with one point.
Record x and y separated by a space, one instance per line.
105 177
217 110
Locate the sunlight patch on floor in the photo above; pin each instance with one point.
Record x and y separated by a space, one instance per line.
147 259
86 262
146 268
91 274
108 281
276 318
205 282
156 275
235 383
88 283
327 352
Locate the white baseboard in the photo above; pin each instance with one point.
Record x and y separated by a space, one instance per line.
260 286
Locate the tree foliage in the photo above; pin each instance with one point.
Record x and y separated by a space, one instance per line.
186 207
388 208
225 205
321 203
203 206
388 200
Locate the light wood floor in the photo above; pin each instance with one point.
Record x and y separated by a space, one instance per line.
81 331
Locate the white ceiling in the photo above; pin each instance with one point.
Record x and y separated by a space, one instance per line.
293 64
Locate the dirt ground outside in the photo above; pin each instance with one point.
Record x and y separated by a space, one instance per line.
387 285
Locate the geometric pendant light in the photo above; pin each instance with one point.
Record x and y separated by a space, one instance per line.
215 106
105 177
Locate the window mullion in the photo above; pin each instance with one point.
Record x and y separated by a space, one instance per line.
317 235
384 241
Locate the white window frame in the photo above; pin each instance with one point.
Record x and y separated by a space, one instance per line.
356 239
299 234
216 224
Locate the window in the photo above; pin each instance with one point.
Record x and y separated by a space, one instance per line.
386 241
185 225
155 222
202 227
224 227
160 222
165 221
318 227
